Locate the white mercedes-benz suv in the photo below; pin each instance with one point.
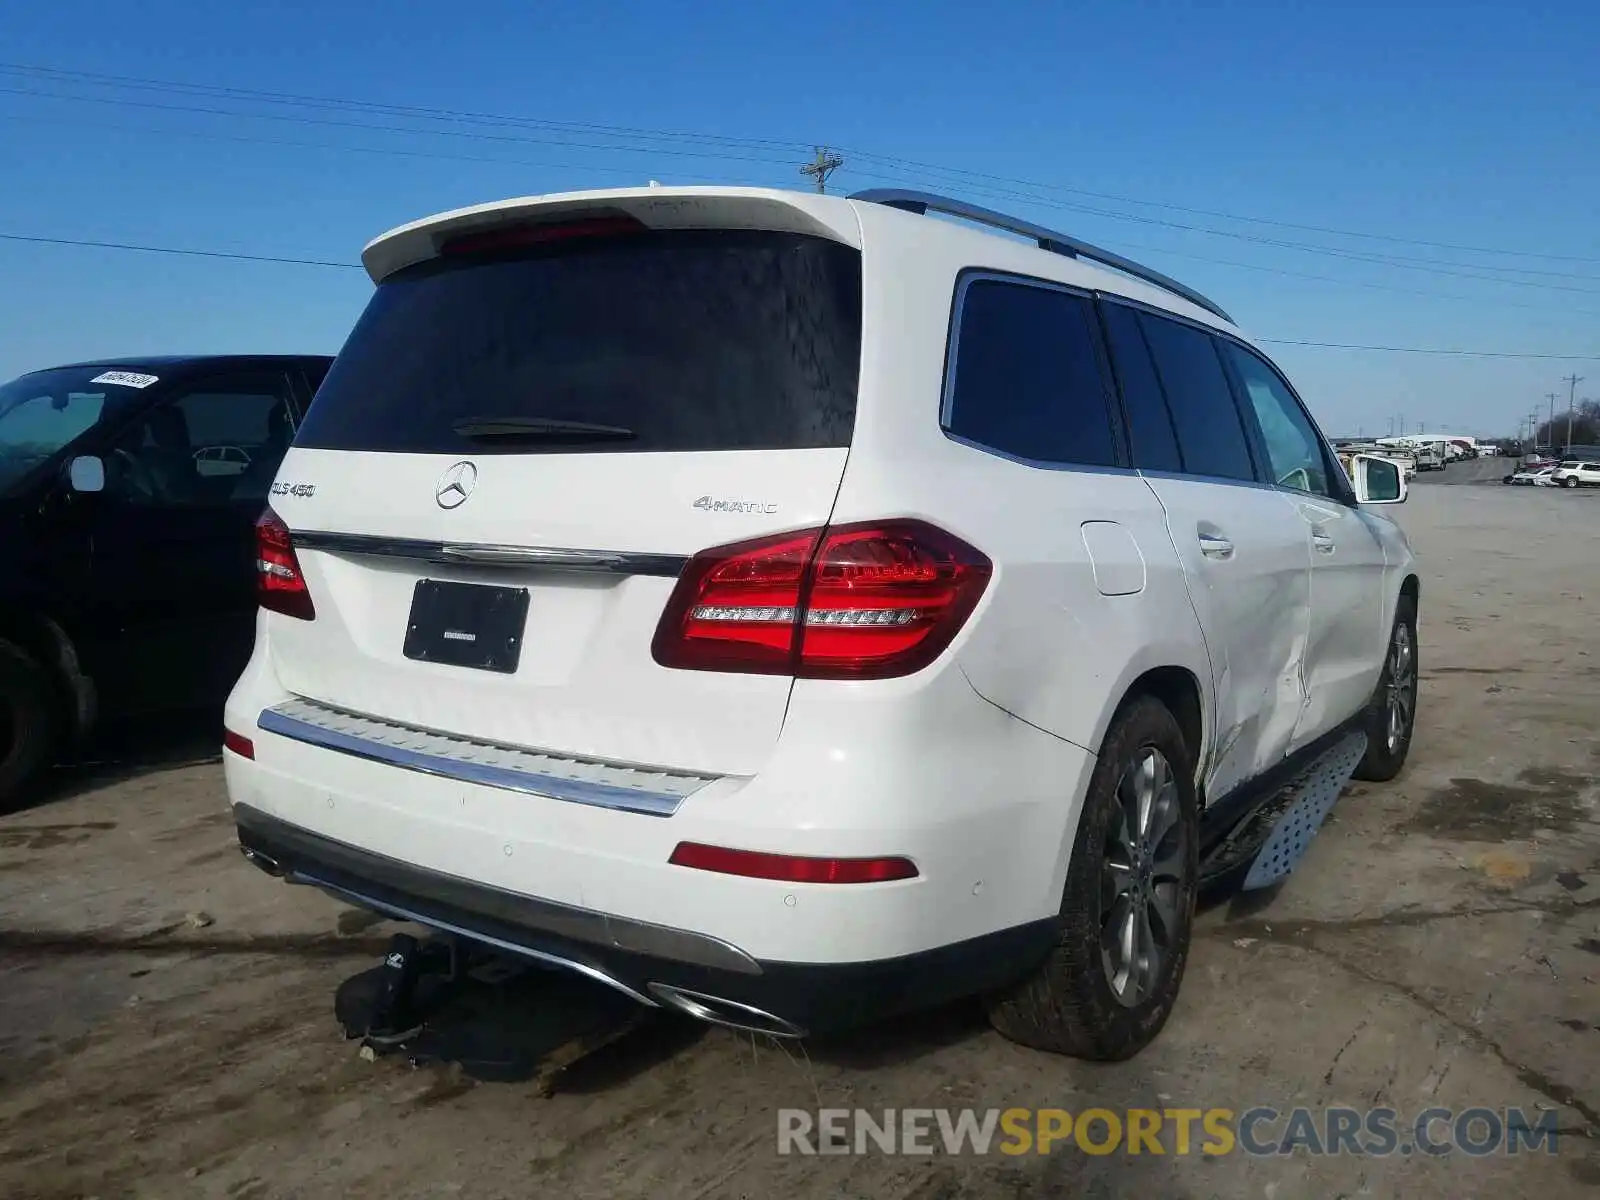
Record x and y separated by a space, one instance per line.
791 609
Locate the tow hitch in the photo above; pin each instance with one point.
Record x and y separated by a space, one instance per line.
446 1000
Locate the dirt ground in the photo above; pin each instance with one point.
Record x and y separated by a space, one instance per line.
166 1022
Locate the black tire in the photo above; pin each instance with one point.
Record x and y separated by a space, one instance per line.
1571 481
27 724
1068 1005
1386 756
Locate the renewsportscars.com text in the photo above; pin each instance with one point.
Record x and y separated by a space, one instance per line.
1259 1131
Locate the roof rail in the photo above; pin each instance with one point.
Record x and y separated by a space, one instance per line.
1047 239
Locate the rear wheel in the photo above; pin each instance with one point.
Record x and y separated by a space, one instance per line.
1392 712
27 724
1109 984
1571 481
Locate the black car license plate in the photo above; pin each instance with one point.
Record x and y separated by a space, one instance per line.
467 625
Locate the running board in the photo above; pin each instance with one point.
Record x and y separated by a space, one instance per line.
1273 837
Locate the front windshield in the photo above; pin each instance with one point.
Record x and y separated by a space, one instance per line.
43 413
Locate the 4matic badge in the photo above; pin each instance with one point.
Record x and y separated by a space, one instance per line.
712 504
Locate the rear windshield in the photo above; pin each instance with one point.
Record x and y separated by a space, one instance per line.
724 340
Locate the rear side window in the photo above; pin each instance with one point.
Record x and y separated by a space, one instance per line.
1211 438
1155 443
1026 379
665 341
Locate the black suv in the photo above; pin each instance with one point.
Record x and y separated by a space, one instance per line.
128 495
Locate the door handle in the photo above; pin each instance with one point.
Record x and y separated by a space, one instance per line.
1322 542
1214 545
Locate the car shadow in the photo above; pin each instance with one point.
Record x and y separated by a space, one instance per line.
894 1041
903 1038
128 751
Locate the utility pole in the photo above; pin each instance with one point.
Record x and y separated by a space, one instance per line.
823 165
1572 381
1551 432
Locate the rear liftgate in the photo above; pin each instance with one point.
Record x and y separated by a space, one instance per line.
1271 839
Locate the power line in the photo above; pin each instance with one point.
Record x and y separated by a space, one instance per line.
264 258
1226 216
321 262
1429 266
300 119
1361 283
1269 269
1439 268
97 79
345 147
1429 350
446 156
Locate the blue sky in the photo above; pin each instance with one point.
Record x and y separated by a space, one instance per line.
1464 124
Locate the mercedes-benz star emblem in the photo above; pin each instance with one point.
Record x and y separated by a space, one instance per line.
455 485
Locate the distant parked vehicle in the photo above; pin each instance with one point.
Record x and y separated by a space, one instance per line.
129 492
1530 477
1576 473
221 460
1428 458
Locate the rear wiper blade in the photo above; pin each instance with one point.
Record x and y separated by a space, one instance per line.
539 429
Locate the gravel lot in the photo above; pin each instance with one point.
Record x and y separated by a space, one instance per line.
166 1026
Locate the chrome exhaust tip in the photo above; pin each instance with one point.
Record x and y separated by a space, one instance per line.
265 861
730 1014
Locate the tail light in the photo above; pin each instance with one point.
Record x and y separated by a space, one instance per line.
280 584
238 744
864 601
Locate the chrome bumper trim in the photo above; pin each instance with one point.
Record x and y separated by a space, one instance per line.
612 562
579 781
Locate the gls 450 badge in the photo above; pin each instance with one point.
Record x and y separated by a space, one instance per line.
712 504
302 490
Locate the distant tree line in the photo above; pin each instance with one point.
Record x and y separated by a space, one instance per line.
1585 427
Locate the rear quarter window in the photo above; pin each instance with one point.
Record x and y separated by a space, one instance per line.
686 340
1025 376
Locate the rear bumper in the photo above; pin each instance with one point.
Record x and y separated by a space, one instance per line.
653 964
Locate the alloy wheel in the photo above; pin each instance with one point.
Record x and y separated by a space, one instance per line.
1402 685
1143 878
